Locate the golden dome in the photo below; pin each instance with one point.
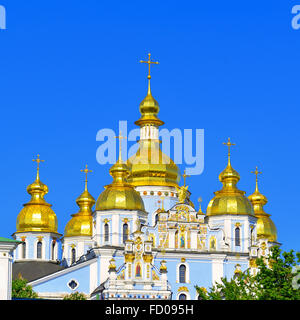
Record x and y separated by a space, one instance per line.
37 214
229 200
150 166
81 223
265 227
120 194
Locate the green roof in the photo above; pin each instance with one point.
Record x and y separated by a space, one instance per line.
9 240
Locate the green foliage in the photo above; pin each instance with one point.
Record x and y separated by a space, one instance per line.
75 296
273 280
20 289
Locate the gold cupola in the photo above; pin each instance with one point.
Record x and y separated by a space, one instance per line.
120 194
37 214
150 166
265 227
81 223
229 200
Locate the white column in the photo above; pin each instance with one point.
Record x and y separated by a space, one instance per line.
217 269
6 248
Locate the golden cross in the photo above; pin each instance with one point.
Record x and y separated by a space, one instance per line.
256 172
38 161
149 64
86 171
120 137
229 144
184 177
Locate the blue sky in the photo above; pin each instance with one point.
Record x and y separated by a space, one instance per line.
70 68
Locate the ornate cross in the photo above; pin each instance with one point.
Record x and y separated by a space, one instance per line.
38 161
184 177
149 64
86 171
229 144
256 172
120 137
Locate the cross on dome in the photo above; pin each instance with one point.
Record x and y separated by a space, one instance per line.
229 144
38 161
86 171
149 62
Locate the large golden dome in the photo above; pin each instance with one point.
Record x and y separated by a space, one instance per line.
229 200
81 223
119 194
150 166
37 214
265 227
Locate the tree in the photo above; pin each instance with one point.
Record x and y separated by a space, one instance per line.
273 281
20 289
75 296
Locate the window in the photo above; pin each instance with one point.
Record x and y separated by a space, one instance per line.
73 284
182 296
106 232
237 237
182 273
53 250
24 250
73 253
125 232
39 250
156 218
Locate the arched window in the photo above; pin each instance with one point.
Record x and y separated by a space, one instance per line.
39 250
24 250
156 218
53 250
125 232
73 258
182 296
182 273
106 232
237 237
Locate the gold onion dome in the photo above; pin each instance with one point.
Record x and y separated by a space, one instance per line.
37 214
120 194
150 166
229 200
82 221
265 227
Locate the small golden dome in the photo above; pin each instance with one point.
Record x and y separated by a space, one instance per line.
229 200
119 194
81 223
149 109
265 227
37 214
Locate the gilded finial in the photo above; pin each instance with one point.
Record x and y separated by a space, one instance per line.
162 203
200 209
229 144
38 161
86 171
120 137
184 177
256 172
149 62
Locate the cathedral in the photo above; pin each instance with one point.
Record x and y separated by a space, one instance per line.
142 238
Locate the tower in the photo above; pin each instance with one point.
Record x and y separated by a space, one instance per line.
231 211
265 228
152 172
79 230
37 225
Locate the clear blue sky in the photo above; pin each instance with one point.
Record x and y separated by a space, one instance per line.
70 68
